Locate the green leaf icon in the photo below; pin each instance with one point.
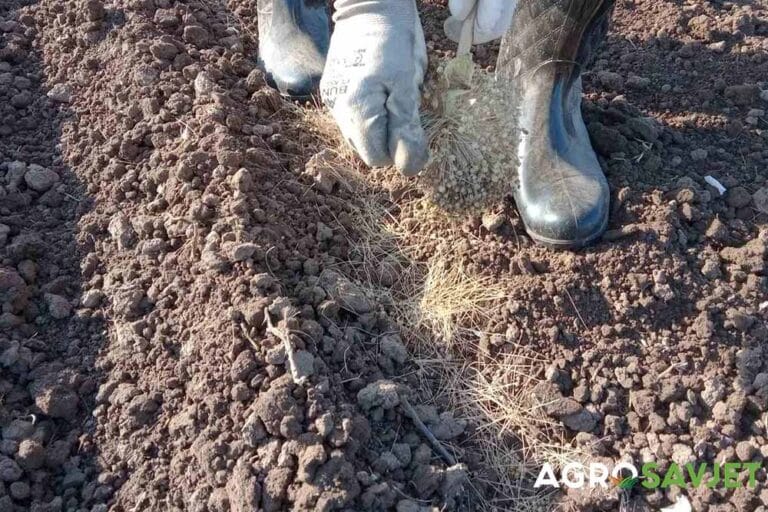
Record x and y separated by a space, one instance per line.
628 483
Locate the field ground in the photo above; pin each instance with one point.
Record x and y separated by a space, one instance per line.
209 305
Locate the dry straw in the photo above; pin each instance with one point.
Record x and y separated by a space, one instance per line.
443 308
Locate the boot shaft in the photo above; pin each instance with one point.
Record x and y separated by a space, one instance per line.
544 31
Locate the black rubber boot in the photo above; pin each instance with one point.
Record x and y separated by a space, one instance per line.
293 42
563 195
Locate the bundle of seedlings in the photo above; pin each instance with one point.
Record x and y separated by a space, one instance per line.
470 121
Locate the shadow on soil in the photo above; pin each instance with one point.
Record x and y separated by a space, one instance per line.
48 343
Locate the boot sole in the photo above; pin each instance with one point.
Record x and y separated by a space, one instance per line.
565 245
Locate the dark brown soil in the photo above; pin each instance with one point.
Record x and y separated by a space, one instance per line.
154 209
156 205
659 332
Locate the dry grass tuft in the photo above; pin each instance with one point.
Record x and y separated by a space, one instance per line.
443 309
454 305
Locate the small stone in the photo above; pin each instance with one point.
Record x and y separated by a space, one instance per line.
30 454
166 18
195 34
699 154
243 252
58 306
449 427
290 427
204 85
19 490
742 95
581 421
61 93
9 357
638 82
276 355
323 232
243 367
682 454
9 469
581 394
703 326
122 231
644 403
738 197
738 320
233 159
18 430
382 393
610 80
645 127
493 221
242 180
39 178
714 391
711 269
324 424
21 100
73 479
57 401
718 231
746 451
386 463
163 50
346 293
92 298
392 347
241 392
718 47
403 453
95 10
721 413
321 168
253 431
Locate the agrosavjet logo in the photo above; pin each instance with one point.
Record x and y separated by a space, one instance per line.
728 475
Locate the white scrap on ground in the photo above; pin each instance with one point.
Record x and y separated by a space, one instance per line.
763 305
681 505
719 186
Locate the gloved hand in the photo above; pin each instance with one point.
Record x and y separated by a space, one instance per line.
372 79
493 18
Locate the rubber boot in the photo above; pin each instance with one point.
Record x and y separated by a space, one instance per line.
562 194
293 43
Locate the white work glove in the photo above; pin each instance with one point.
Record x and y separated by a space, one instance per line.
372 79
493 18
